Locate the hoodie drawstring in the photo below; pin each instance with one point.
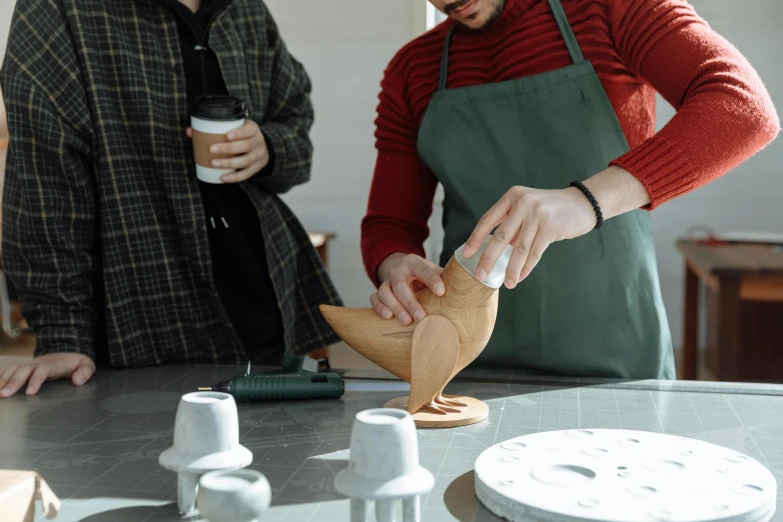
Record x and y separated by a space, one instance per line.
214 202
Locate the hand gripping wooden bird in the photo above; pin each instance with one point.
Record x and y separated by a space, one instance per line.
432 352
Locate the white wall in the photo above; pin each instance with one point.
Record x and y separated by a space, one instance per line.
6 10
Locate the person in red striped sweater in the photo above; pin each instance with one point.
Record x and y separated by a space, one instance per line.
538 117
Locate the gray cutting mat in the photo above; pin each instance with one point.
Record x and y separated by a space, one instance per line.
98 446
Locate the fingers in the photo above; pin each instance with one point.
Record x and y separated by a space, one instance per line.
429 275
540 243
257 155
246 150
189 132
487 222
47 367
404 293
388 298
39 376
397 295
61 365
522 243
238 162
232 148
248 130
84 372
380 308
500 239
4 378
244 174
18 380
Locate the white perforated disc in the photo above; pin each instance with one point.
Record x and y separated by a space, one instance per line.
621 475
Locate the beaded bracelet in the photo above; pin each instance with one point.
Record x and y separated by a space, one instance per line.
589 196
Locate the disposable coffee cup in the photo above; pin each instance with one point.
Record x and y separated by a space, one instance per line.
211 118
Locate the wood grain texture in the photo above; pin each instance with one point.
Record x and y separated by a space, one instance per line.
729 330
434 356
732 258
475 411
759 337
690 349
470 307
762 288
744 283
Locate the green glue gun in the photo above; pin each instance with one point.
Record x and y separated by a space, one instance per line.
300 379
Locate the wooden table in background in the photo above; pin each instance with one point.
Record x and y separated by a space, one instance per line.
3 152
745 310
321 243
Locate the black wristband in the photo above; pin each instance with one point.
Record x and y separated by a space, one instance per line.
589 196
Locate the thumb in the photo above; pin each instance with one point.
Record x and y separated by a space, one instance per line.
83 372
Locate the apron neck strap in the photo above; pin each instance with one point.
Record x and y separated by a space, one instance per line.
444 61
566 31
562 22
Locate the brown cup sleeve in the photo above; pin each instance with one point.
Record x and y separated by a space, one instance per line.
202 141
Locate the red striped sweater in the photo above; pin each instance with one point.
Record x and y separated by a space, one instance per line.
724 113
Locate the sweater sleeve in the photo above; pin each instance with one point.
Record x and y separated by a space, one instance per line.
724 113
403 187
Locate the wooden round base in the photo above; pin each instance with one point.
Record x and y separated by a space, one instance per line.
476 411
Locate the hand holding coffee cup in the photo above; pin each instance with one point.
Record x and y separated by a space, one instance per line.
227 148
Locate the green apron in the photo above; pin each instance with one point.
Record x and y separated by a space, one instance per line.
592 306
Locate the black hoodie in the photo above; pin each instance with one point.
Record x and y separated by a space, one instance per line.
237 244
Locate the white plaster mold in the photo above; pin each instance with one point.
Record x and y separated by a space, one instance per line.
240 495
621 476
384 467
206 438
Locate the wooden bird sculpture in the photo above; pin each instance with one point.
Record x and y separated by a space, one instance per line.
432 352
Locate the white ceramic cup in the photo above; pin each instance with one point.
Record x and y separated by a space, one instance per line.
384 458
240 495
211 118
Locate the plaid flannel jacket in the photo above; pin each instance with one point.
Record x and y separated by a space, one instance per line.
104 233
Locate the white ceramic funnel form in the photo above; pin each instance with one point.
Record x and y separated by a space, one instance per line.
498 275
358 510
411 509
384 465
206 438
240 495
186 491
384 510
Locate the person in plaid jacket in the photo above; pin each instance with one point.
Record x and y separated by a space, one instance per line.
119 254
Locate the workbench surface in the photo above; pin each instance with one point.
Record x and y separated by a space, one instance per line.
98 446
